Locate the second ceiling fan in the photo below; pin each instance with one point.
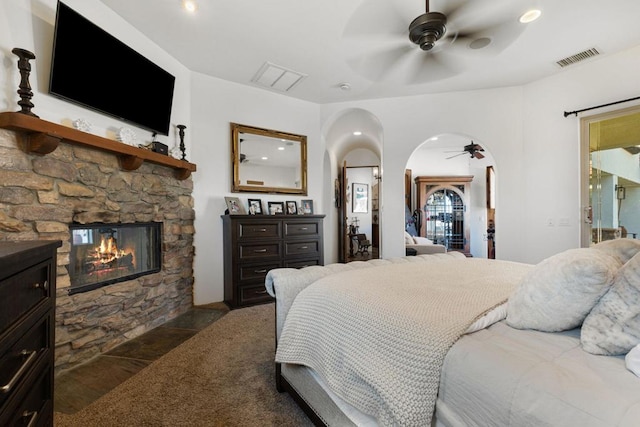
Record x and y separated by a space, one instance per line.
474 150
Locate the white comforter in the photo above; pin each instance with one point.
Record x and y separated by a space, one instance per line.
378 336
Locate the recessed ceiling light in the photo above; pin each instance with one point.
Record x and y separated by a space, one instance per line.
189 5
281 148
357 133
264 158
530 16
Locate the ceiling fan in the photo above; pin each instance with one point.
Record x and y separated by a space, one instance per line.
392 44
474 150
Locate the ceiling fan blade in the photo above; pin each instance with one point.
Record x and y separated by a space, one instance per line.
374 20
459 154
382 63
433 66
478 155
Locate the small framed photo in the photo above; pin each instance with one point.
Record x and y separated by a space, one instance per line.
234 206
255 207
276 208
307 207
292 207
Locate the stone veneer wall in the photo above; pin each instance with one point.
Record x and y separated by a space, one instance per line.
41 195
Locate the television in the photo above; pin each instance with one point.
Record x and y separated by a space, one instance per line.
92 68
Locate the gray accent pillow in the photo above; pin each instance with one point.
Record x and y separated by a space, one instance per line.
559 292
613 326
623 249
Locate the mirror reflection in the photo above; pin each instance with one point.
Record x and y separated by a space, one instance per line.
268 161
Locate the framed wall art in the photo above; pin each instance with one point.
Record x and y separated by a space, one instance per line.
360 194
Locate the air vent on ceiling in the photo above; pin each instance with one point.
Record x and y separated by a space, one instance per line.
578 57
277 77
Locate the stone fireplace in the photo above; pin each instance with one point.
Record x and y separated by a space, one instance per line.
74 188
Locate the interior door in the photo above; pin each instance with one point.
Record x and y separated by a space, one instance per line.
342 213
610 163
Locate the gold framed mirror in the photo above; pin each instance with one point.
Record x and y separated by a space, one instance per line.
268 161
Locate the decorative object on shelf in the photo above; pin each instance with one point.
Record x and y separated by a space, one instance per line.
255 207
292 207
24 88
276 208
307 207
234 206
82 124
159 147
127 136
181 129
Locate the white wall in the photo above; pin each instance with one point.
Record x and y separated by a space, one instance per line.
215 104
535 148
29 24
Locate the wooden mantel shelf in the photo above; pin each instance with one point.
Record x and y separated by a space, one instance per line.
43 137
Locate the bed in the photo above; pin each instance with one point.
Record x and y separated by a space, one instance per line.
350 354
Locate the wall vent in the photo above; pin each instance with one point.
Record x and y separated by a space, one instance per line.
276 77
586 54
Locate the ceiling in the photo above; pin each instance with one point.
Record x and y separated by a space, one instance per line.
365 43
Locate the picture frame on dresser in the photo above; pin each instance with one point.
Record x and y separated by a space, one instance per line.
307 207
292 207
276 208
255 206
234 206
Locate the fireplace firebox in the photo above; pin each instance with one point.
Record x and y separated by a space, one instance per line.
103 254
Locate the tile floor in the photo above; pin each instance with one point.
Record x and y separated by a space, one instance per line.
78 387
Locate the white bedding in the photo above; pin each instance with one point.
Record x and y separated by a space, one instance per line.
353 327
507 377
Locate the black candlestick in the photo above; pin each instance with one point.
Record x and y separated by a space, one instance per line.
181 129
24 88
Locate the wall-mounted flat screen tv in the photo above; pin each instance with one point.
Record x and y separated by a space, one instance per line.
94 69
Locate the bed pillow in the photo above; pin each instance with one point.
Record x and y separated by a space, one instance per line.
408 240
632 360
422 240
623 249
613 326
559 292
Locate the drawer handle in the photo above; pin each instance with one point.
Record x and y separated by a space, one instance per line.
262 230
304 228
8 386
259 251
33 415
261 292
264 270
44 286
304 247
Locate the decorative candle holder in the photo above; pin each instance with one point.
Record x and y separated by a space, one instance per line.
24 88
181 129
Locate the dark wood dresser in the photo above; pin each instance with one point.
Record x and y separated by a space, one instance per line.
255 244
27 328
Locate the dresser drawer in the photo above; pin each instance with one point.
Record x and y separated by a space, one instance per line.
292 229
294 248
254 294
256 251
34 408
259 230
302 263
18 359
256 271
24 290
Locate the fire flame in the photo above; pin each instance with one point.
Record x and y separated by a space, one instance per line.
108 251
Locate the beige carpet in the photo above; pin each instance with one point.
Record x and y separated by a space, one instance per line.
223 376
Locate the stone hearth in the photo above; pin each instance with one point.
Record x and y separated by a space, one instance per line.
41 195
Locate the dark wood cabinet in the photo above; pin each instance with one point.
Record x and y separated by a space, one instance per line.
255 244
27 328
